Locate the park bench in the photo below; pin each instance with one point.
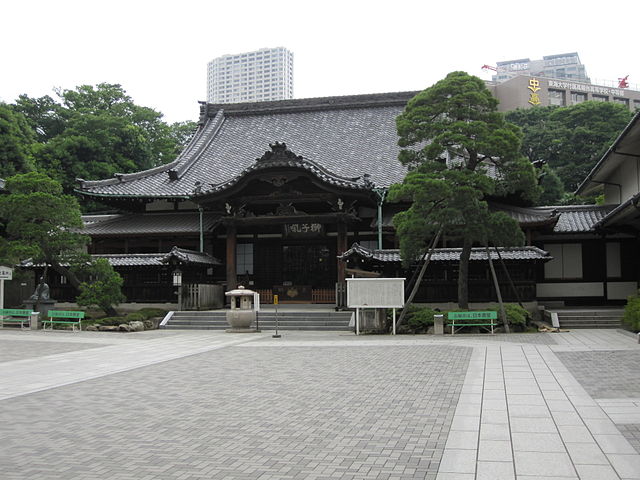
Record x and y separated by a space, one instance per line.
459 320
15 316
60 317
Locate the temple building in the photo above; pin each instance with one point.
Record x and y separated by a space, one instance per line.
287 197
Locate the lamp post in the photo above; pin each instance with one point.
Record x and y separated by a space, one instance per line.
381 193
177 282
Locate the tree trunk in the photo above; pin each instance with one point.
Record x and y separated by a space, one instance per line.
463 275
75 283
68 274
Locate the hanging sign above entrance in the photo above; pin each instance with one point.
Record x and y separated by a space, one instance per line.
303 230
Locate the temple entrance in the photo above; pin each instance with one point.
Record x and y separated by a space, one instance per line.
306 264
296 272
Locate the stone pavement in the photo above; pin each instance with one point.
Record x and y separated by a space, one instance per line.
315 405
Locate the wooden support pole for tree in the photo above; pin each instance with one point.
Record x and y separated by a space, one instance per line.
506 271
498 293
416 286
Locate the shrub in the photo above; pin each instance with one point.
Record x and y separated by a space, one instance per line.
631 317
135 317
111 321
516 316
419 319
152 312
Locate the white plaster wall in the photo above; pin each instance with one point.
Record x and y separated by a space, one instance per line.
621 290
627 175
569 289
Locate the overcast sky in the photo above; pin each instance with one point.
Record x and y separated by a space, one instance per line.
158 50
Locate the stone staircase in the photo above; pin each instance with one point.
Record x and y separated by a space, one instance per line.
325 320
587 317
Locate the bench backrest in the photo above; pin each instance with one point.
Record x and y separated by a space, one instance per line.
64 314
15 312
485 315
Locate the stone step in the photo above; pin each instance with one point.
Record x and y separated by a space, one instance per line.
587 318
217 320
314 328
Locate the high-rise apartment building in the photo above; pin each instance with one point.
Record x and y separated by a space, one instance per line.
564 66
266 74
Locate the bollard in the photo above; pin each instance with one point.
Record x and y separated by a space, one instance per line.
638 337
34 320
438 324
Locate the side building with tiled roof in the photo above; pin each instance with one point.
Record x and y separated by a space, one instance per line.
279 191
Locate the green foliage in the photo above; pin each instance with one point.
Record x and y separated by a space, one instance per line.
570 139
44 115
149 312
551 185
419 319
101 286
92 132
631 317
110 321
451 134
40 221
16 143
135 317
456 115
516 316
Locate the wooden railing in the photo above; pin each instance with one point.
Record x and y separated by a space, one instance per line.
318 295
323 295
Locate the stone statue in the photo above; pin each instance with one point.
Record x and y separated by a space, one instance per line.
42 290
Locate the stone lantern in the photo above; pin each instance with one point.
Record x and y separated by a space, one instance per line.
242 312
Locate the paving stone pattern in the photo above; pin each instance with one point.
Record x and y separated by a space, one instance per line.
12 350
523 338
244 413
605 374
632 434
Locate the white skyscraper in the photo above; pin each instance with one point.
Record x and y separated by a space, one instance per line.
266 74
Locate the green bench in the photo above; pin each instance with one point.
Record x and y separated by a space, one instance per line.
60 317
459 320
16 316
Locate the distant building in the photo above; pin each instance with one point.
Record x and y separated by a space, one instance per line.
565 66
524 91
265 74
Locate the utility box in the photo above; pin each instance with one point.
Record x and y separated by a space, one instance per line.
438 324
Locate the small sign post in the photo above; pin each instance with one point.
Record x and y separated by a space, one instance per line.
275 302
6 273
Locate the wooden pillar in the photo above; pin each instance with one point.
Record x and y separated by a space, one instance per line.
341 248
232 278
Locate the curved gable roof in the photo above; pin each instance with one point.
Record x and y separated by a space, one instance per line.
345 136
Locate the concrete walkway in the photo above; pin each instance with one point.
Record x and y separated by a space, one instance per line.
311 405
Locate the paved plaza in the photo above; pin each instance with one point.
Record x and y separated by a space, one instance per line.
316 405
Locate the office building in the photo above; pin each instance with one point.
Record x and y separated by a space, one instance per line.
524 91
564 66
262 75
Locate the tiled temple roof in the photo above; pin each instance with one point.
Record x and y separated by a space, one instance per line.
181 255
339 138
576 218
149 223
529 253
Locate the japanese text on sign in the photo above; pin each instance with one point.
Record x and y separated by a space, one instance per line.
303 229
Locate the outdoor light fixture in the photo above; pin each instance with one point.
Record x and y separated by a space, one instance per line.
177 278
